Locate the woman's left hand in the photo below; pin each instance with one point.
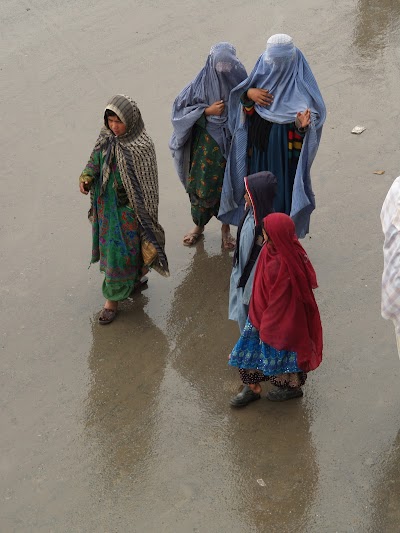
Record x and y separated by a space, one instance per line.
304 118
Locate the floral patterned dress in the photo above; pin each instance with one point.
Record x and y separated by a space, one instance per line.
204 184
115 232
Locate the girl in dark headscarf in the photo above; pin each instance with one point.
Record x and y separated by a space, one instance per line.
123 181
282 338
259 199
201 139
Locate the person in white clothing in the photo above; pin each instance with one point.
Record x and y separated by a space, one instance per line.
390 219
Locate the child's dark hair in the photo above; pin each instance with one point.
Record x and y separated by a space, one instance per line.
109 113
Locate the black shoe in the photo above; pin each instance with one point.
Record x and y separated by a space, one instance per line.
245 396
281 395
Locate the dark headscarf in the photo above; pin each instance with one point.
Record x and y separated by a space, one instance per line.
261 188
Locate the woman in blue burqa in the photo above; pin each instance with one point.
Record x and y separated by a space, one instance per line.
201 138
276 117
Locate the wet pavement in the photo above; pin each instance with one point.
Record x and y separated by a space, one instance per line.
127 427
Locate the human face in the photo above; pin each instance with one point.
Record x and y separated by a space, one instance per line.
247 200
116 126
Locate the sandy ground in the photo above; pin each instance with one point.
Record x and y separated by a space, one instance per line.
128 428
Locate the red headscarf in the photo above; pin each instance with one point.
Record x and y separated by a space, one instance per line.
283 307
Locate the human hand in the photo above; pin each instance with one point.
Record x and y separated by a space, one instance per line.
217 108
84 187
260 96
303 119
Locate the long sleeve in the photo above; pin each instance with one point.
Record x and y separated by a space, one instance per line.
248 105
92 170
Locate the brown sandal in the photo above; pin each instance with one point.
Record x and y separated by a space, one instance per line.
107 316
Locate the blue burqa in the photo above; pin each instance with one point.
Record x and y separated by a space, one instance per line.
222 72
284 72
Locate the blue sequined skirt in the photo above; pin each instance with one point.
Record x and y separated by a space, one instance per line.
251 353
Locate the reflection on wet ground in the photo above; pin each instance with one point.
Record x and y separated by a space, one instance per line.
386 495
159 430
377 26
126 371
241 447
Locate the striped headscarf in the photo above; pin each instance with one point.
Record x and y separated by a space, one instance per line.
136 159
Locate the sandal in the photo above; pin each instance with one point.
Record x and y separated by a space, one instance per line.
228 242
191 238
107 316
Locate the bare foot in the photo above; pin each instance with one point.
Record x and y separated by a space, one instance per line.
193 236
228 242
110 304
255 387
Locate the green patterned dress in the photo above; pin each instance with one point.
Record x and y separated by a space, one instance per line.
204 184
115 232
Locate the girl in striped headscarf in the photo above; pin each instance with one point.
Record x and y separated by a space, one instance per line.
122 178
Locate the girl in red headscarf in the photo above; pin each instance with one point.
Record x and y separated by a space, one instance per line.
282 338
